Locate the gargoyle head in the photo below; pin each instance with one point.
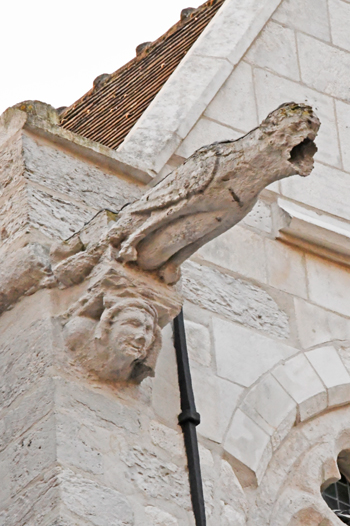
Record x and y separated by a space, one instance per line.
292 128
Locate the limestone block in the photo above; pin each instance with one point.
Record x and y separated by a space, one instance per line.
239 250
21 273
233 298
234 104
328 284
317 325
272 90
23 370
343 117
157 517
30 408
156 476
248 445
91 405
326 190
286 268
302 383
11 162
83 497
229 515
57 218
243 355
26 457
339 13
332 372
329 73
167 438
36 505
268 403
230 490
309 16
215 403
75 178
205 132
260 217
275 49
198 343
75 445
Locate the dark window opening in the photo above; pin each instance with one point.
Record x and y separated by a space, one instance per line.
337 495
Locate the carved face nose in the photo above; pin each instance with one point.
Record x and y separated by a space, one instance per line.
140 340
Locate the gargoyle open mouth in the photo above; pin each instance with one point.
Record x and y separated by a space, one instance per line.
301 156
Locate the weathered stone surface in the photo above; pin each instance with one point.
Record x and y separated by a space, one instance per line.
21 273
233 298
84 497
212 191
275 50
260 217
74 178
167 438
243 355
37 505
24 369
310 17
157 517
27 457
31 408
157 478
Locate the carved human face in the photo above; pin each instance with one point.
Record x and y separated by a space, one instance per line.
132 333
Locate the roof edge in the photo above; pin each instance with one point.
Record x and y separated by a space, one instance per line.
195 82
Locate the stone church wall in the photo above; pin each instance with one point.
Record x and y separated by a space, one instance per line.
268 324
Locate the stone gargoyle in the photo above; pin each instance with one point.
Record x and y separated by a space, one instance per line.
126 263
213 190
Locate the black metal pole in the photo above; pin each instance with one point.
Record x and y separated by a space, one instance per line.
188 420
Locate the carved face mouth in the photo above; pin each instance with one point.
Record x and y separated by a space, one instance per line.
302 156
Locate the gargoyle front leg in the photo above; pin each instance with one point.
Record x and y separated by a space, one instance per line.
157 219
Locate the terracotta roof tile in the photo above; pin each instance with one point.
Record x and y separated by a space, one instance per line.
108 111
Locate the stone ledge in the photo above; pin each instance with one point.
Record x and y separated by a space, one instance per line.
317 232
42 120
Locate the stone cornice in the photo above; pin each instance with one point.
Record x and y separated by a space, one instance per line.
313 230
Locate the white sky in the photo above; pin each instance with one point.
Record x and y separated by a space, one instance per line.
52 50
